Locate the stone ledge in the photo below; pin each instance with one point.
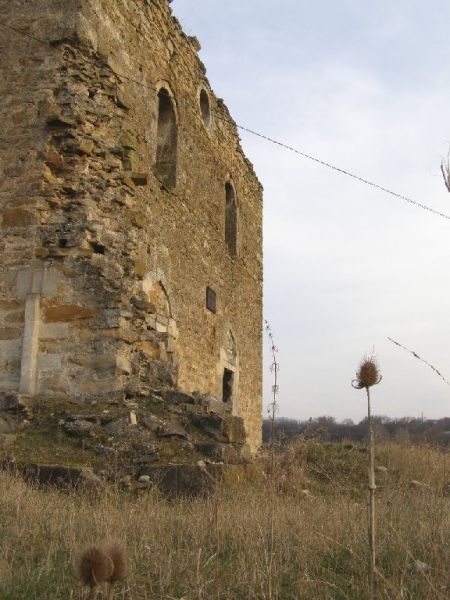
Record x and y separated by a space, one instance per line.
59 476
197 480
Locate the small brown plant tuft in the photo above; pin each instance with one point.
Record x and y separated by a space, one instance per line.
368 373
116 552
94 568
103 564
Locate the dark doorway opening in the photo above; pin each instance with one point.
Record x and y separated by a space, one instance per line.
227 385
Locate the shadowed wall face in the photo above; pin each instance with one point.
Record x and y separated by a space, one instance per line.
117 213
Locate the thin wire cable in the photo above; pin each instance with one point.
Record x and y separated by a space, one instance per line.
344 172
421 359
272 141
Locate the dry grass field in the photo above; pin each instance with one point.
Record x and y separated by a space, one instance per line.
219 547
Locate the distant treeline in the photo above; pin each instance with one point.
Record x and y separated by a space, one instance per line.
408 429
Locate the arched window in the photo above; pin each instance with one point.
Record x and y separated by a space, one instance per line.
205 108
230 219
166 140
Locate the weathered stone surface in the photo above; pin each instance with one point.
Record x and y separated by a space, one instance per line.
210 424
214 405
196 480
17 217
7 424
172 430
79 428
177 397
68 312
64 477
97 208
228 453
139 178
8 401
119 427
234 430
7 440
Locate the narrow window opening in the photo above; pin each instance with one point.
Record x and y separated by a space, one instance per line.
205 108
230 219
211 300
227 385
166 141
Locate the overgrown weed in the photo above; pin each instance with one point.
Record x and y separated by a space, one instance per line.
319 547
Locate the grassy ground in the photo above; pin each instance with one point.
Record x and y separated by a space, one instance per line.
181 550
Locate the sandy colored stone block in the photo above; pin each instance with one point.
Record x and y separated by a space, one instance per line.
49 331
98 387
10 333
10 305
53 385
149 349
49 362
10 349
17 217
94 361
55 160
67 312
123 364
140 267
40 280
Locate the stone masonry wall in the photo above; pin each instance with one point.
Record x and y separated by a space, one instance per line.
105 265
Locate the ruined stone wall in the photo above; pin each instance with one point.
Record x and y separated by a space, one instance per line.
106 258
29 74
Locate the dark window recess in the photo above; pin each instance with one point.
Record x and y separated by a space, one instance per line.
230 219
166 143
205 108
211 300
227 385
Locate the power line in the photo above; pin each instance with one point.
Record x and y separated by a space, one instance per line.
271 140
421 359
344 172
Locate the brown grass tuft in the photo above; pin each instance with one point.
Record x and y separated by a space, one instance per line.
116 552
368 373
320 543
94 567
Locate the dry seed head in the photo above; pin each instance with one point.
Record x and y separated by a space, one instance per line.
94 567
368 373
117 553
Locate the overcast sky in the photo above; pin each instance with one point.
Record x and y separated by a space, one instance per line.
365 86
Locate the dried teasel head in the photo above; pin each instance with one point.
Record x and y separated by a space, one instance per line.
118 555
94 567
368 373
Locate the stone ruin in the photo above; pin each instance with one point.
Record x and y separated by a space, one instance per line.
131 243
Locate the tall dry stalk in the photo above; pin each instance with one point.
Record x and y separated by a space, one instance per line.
272 409
368 374
215 498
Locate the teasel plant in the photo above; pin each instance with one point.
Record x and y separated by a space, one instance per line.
103 564
216 492
368 375
272 410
